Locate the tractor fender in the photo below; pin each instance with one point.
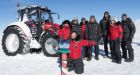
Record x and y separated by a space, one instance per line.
42 35
23 26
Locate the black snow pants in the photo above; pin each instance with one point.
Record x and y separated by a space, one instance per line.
77 65
106 41
96 51
115 50
127 50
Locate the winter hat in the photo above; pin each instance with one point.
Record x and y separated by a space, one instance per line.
124 15
114 19
83 19
106 12
75 18
92 16
64 22
106 18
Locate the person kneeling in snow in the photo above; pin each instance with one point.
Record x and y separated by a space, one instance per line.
75 61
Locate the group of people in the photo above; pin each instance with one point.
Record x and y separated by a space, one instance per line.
87 34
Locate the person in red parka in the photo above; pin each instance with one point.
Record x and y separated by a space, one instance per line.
83 25
75 61
115 36
64 34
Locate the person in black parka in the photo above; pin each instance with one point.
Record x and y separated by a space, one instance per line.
104 26
76 27
93 33
128 34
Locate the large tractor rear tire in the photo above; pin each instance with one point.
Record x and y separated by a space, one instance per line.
49 45
13 41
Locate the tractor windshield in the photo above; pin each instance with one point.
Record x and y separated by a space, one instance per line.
46 16
36 13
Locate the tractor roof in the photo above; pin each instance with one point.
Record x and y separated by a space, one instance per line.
33 7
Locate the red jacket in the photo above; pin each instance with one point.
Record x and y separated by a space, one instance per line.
115 32
83 31
64 33
76 48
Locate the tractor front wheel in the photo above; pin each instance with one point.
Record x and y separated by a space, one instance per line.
49 45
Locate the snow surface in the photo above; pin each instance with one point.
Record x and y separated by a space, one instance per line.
38 64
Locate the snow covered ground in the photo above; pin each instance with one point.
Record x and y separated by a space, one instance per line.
38 64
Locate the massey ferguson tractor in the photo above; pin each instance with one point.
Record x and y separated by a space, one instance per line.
34 30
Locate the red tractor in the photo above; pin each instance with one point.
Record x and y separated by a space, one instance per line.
34 30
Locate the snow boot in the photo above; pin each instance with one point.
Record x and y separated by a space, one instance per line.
118 62
70 68
128 60
114 60
89 58
97 58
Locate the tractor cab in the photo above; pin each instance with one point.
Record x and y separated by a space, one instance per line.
37 13
37 18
